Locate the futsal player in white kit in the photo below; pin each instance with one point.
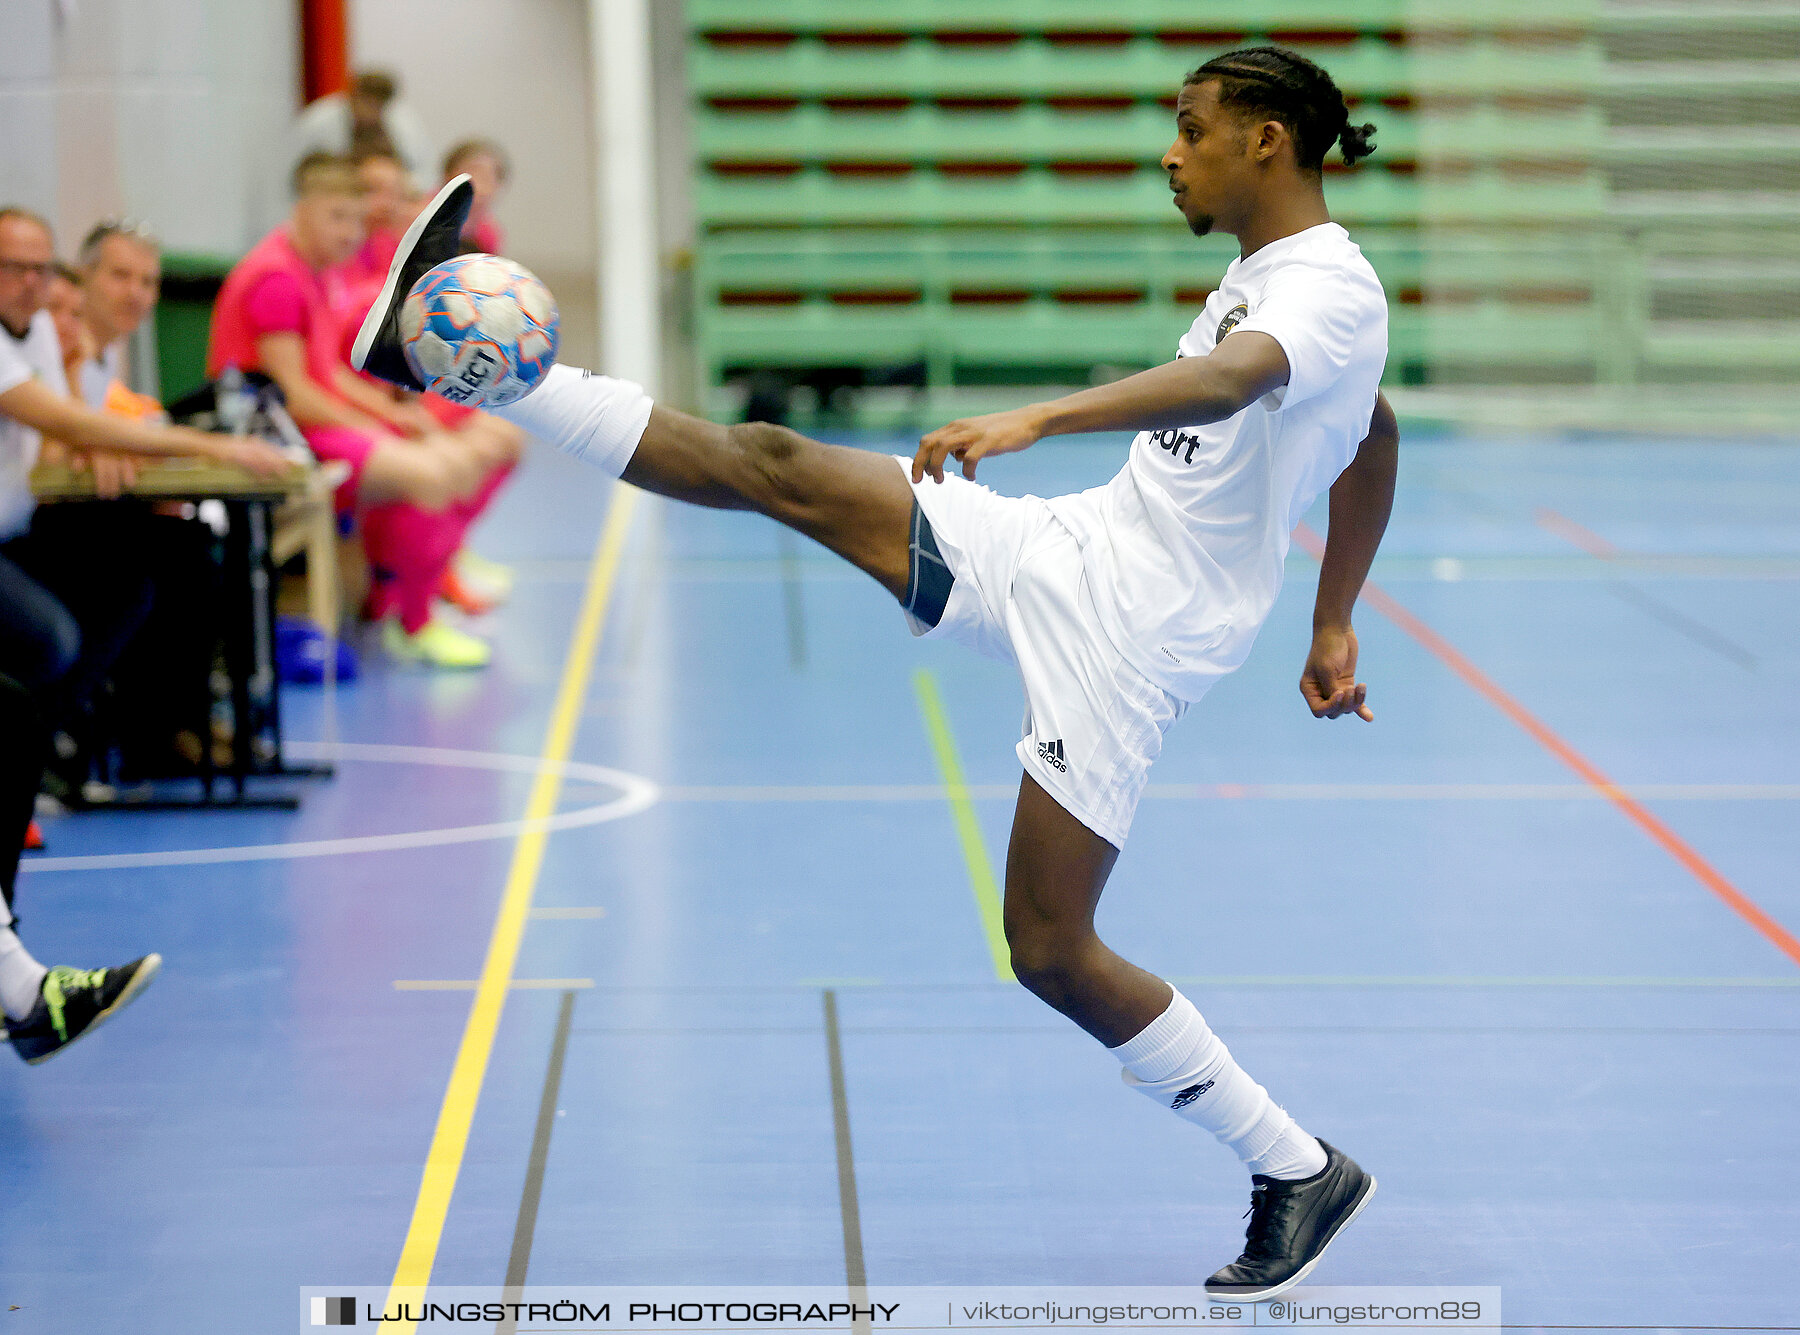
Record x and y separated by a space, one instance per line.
1122 605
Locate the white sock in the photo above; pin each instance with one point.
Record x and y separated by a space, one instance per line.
20 975
1181 1063
592 417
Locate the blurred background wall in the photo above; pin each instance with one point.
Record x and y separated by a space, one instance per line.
515 73
895 213
162 109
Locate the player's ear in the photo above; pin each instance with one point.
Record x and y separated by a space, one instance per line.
1266 140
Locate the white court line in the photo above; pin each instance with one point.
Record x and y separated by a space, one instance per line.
1278 792
1506 567
636 794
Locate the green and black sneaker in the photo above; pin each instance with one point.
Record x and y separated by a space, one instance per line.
73 1002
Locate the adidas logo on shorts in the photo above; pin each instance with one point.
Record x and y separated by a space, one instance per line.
1052 753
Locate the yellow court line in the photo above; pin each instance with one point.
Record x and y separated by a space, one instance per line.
443 1163
968 828
470 984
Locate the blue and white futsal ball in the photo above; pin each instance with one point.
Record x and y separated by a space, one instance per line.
479 330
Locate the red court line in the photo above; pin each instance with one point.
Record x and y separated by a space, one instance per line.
1673 844
1583 537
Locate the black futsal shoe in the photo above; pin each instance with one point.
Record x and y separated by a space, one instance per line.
435 236
73 1002
1291 1225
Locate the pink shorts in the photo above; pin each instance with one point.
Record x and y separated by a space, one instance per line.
450 415
340 442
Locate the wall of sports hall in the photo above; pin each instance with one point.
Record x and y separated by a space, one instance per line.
1597 196
176 113
1592 198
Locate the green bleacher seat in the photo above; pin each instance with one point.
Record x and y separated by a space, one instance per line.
975 185
1144 15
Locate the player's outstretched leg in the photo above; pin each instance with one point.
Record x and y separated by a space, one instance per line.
1304 1190
856 503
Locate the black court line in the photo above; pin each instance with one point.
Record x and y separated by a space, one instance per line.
792 606
855 1274
1647 603
1697 631
1578 535
526 1227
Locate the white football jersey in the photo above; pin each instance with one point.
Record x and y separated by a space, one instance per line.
1184 549
35 356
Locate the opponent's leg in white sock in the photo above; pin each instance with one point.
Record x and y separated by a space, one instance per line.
593 417
1178 1061
20 974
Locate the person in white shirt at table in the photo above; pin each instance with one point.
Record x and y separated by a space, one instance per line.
72 590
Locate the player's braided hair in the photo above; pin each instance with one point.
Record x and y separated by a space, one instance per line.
1285 86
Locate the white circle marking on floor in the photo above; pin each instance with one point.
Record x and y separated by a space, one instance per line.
636 794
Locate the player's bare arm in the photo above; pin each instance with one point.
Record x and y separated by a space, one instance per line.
1190 391
82 428
283 355
408 417
1361 500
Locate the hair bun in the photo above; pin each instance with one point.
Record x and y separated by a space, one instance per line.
1358 141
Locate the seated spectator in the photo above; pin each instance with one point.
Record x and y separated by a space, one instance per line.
488 169
389 205
65 302
369 116
281 312
72 584
470 583
120 270
113 471
161 682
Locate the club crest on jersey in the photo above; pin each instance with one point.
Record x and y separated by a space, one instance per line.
1231 321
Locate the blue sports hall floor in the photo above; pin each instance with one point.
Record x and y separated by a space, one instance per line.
1524 946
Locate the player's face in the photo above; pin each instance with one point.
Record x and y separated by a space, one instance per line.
63 301
1209 163
330 227
384 194
484 177
367 110
122 286
26 256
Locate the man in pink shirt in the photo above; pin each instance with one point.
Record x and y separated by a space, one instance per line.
390 205
281 311
486 165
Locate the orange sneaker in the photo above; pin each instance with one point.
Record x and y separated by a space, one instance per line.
453 589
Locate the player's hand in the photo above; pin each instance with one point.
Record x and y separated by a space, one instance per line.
114 474
254 456
972 439
1329 682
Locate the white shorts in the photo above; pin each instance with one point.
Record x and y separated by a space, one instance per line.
1093 723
